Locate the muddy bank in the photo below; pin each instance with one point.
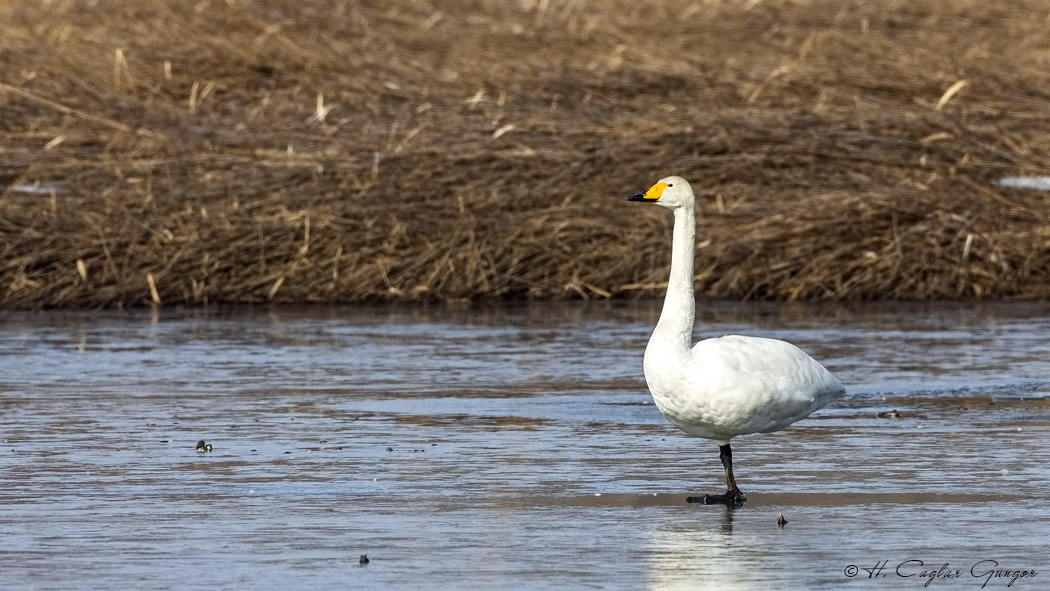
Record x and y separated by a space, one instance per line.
163 153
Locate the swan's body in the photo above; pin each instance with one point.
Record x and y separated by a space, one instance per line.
735 385
722 387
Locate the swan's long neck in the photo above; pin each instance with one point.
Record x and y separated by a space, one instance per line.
676 321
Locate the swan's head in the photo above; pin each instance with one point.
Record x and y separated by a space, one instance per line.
672 192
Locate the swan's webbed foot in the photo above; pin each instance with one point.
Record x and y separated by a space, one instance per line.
731 498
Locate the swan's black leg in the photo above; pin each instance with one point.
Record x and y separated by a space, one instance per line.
732 497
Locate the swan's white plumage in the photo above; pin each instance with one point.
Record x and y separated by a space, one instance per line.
736 385
727 386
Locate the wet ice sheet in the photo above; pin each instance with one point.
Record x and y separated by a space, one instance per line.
506 446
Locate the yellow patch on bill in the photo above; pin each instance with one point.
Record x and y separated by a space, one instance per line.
655 192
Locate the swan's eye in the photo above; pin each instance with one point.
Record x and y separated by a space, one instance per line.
669 185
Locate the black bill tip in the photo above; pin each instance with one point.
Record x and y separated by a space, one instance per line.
637 197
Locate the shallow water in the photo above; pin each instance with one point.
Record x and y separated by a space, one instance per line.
513 446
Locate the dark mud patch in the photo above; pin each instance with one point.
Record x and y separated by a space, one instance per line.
465 421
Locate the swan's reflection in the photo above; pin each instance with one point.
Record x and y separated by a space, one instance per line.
703 553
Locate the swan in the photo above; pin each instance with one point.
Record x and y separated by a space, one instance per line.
726 386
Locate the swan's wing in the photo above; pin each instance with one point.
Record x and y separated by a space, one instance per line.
772 380
777 365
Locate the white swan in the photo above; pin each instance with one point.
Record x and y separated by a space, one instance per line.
726 386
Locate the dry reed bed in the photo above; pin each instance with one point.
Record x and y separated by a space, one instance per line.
245 151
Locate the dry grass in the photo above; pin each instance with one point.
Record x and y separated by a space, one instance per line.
245 151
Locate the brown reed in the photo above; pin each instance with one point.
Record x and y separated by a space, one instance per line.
171 153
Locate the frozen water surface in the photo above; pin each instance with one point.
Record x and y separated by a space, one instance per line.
511 446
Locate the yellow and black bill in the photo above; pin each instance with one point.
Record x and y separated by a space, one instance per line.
653 194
